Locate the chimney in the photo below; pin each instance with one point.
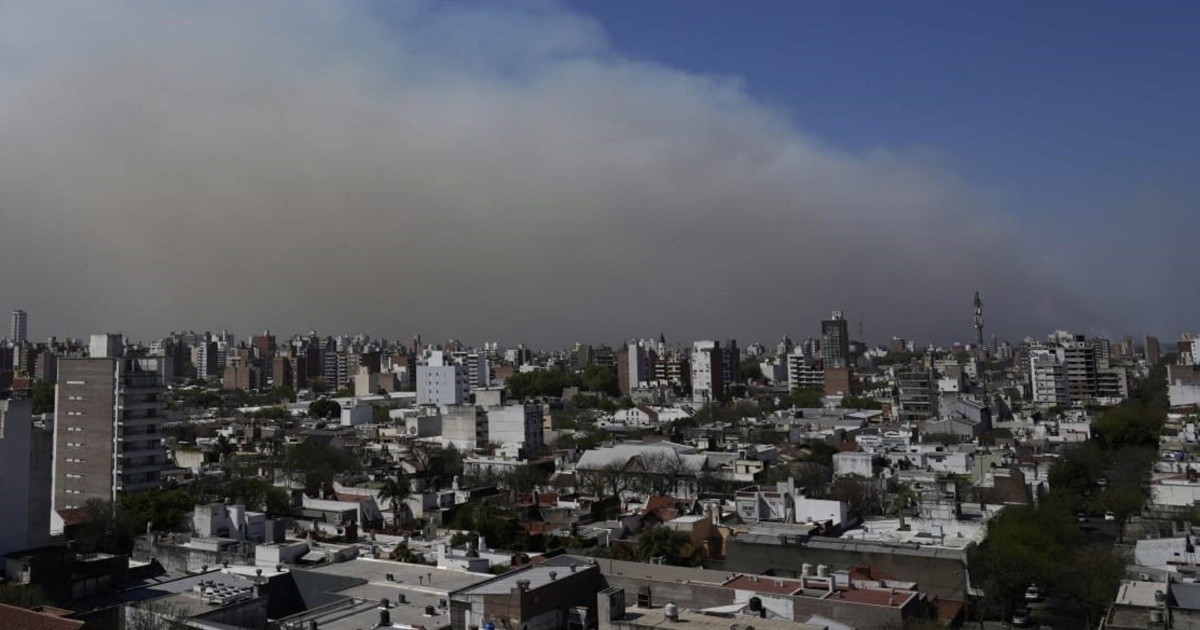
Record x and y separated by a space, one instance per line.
385 617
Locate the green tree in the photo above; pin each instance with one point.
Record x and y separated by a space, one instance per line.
664 542
396 491
319 463
403 554
164 510
1025 544
600 378
255 493
1130 426
107 529
1091 577
1123 501
274 412
324 408
750 369
807 397
525 479
1076 475
43 397
282 394
22 596
538 383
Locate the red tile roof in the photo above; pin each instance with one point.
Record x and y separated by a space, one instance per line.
13 617
882 597
75 516
866 571
764 584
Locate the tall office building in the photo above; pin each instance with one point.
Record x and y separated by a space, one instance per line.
835 341
20 327
108 429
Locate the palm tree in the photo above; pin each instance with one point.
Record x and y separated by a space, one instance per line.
396 492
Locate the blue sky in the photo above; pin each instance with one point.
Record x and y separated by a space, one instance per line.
1065 108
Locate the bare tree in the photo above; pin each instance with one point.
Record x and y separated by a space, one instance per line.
153 615
662 471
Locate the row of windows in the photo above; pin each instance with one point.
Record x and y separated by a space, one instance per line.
74 397
74 443
75 429
74 413
74 476
70 491
74 460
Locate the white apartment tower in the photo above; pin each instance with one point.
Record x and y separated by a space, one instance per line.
24 478
441 382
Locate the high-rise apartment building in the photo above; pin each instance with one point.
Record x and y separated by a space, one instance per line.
1048 378
106 346
1079 358
109 413
20 327
25 451
1067 371
633 367
802 372
708 383
518 426
731 365
1153 350
916 393
835 341
264 346
442 382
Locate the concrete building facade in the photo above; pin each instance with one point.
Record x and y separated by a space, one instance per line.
708 383
108 429
25 451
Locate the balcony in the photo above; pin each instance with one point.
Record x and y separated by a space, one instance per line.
140 469
143 451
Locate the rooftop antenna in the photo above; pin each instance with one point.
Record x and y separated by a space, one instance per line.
979 322
982 350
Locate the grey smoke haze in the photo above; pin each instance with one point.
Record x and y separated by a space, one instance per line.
478 172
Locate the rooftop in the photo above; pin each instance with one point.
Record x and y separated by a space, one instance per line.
538 576
14 617
417 576
656 618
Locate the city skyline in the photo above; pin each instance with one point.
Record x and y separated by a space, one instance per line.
546 172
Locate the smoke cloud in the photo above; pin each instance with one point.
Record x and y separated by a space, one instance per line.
481 172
